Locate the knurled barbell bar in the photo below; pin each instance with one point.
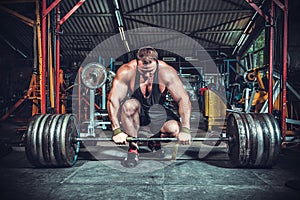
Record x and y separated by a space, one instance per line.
133 139
254 140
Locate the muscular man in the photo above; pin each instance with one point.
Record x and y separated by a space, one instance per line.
137 99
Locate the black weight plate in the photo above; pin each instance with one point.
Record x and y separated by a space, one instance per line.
267 139
236 131
28 140
39 141
34 146
252 139
275 144
51 140
258 152
69 132
45 141
246 126
57 141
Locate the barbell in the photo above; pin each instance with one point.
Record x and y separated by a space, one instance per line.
133 139
254 140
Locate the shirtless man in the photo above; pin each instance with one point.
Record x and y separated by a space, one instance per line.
137 97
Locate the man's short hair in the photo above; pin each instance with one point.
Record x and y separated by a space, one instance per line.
147 53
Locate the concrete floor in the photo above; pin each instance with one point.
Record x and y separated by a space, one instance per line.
98 174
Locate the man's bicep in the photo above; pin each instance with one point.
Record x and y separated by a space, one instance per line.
118 91
176 89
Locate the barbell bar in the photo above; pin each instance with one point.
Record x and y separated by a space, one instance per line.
132 139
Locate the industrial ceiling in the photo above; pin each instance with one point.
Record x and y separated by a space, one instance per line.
215 25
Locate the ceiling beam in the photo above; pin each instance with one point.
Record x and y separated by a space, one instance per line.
193 36
145 6
91 14
159 33
236 4
17 1
142 22
88 34
212 12
218 44
220 24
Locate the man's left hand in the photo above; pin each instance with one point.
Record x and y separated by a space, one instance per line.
184 138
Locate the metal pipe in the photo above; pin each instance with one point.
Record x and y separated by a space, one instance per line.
285 65
91 126
50 68
257 9
53 31
71 12
270 92
13 47
293 121
39 48
53 4
57 67
59 22
79 93
43 72
245 34
24 19
293 90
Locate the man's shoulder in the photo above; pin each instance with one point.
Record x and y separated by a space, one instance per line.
126 71
166 72
166 68
130 66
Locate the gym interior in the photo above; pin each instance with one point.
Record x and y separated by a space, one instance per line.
237 59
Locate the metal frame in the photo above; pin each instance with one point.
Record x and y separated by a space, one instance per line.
270 19
45 11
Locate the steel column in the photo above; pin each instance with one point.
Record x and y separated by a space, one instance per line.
59 23
57 66
270 90
285 65
43 72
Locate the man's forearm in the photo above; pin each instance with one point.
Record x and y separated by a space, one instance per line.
185 112
113 110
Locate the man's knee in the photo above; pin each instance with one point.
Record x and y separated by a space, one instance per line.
130 107
171 127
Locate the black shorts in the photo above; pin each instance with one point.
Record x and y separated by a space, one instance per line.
156 116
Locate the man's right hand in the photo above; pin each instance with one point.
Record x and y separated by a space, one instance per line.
120 138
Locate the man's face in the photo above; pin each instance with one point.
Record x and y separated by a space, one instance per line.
147 68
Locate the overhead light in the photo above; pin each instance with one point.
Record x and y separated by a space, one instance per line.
190 59
169 59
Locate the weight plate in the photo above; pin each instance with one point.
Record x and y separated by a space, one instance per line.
266 140
252 139
259 141
255 140
39 141
46 141
235 149
93 75
274 139
34 147
28 142
247 130
51 141
57 141
69 133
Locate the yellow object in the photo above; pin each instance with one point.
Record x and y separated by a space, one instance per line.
214 109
